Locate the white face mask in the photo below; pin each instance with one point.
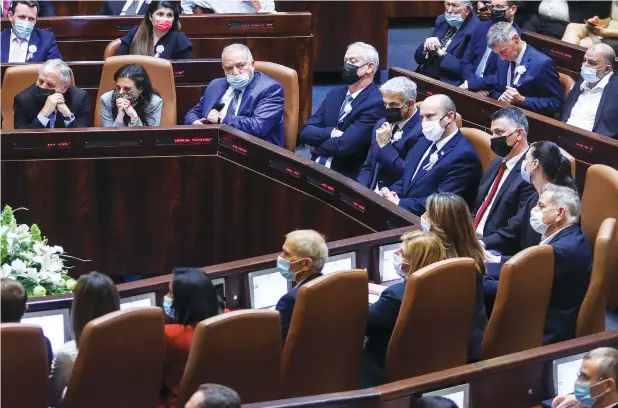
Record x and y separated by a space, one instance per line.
432 129
425 224
536 221
398 263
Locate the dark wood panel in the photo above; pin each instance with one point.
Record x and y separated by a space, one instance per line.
413 9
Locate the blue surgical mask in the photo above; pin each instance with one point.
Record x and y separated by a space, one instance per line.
525 174
283 267
582 394
22 28
425 224
238 81
589 74
167 306
454 20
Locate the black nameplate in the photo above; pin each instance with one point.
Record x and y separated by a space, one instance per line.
43 143
182 141
114 142
232 146
125 27
285 168
322 185
354 203
251 24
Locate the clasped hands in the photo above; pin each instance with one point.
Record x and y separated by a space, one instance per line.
214 117
53 102
125 108
389 195
432 44
512 96
384 134
597 26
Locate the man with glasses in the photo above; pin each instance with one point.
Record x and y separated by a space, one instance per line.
245 100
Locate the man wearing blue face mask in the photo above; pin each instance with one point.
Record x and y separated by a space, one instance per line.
245 100
24 43
595 386
440 56
303 256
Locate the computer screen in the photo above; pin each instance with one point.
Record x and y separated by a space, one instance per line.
342 262
219 285
459 394
266 288
565 373
55 324
387 270
147 299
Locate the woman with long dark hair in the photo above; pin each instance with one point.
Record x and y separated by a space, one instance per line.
158 35
133 102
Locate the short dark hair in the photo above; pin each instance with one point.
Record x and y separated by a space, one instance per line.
514 115
26 3
14 299
434 402
218 396
194 296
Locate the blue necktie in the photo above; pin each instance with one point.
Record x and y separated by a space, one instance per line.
432 150
348 99
231 110
52 120
322 160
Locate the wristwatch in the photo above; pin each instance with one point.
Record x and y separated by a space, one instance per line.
71 117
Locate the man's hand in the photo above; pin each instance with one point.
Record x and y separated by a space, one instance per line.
52 103
601 31
512 96
336 133
393 198
431 44
202 121
440 52
482 93
491 258
564 401
213 116
384 134
64 110
257 5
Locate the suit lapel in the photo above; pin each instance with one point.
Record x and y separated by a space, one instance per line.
34 40
563 233
248 92
416 154
571 100
513 175
603 97
217 93
525 61
441 155
6 38
407 129
493 171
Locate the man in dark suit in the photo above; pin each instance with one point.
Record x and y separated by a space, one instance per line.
124 8
339 132
440 56
556 217
52 102
393 136
503 192
24 43
592 103
479 63
245 100
525 77
302 259
443 161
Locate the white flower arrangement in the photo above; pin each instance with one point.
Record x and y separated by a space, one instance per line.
26 257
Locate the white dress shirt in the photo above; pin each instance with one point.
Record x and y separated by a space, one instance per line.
585 109
510 80
555 9
510 165
62 366
227 98
439 145
227 6
546 241
18 48
128 4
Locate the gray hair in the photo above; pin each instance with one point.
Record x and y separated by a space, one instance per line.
368 52
500 33
514 116
218 396
400 85
609 55
567 198
238 47
607 361
310 244
57 66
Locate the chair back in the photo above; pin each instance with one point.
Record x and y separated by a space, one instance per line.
481 142
518 317
249 364
24 366
567 83
591 318
120 361
112 49
434 323
288 78
161 75
324 344
600 201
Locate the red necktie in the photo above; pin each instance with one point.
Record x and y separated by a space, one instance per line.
490 196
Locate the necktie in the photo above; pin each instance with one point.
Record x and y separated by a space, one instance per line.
342 114
513 65
394 130
132 9
322 160
447 36
433 149
52 120
490 196
231 110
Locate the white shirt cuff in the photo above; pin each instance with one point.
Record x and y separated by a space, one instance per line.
44 121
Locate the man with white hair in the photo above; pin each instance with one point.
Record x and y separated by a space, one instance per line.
339 132
52 102
392 136
303 256
525 77
245 100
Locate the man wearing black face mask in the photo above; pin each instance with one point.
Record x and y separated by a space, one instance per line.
502 191
52 102
393 136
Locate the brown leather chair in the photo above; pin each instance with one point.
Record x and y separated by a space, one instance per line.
250 364
161 74
112 49
120 361
481 142
518 317
458 118
567 83
323 349
24 365
600 201
435 319
591 318
288 78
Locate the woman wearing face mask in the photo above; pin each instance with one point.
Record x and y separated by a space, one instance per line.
133 102
418 249
158 35
191 299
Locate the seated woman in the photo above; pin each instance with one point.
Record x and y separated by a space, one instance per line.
595 30
418 249
133 102
192 298
449 218
158 34
95 295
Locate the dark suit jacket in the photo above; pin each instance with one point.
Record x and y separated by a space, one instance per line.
540 84
47 9
512 196
260 112
448 68
44 41
285 305
350 149
458 170
473 56
384 166
176 45
114 8
605 122
26 109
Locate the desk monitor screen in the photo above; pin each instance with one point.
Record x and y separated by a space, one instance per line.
55 324
343 262
387 270
565 373
459 394
266 288
219 285
147 299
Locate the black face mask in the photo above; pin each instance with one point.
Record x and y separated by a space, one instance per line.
42 94
498 16
393 115
500 146
349 73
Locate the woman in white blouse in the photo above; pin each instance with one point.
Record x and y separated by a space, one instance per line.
595 30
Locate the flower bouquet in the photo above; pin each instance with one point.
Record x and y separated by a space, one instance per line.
26 257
